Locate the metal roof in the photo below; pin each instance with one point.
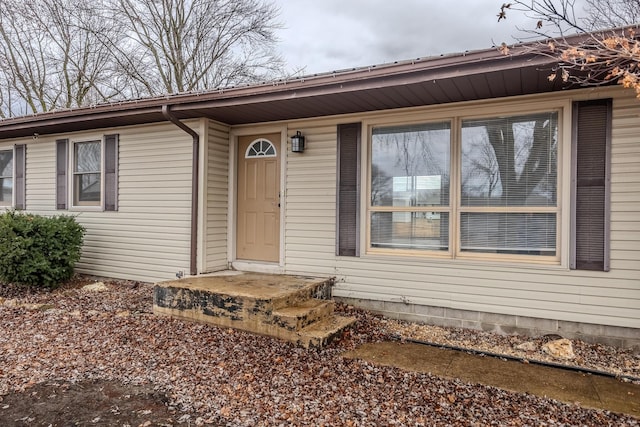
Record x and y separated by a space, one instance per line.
466 76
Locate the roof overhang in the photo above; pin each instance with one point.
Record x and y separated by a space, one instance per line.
470 76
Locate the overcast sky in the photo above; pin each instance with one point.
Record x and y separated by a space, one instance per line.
328 35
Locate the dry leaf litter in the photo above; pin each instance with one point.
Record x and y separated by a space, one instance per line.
219 376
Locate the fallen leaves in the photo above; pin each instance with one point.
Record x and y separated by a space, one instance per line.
227 377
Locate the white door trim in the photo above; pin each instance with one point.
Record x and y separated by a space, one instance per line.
234 135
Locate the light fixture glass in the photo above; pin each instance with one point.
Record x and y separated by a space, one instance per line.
297 143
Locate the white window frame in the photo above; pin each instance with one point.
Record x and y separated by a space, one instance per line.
11 203
75 204
456 116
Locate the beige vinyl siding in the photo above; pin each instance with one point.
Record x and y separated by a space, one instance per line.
217 195
310 203
148 237
625 189
548 292
40 175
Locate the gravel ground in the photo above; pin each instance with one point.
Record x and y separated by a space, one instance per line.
216 376
611 360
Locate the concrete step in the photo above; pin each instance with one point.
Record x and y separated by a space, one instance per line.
291 308
236 297
296 317
319 289
321 333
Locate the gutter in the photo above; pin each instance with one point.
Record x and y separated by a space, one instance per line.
195 162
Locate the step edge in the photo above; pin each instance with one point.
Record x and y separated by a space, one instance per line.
344 322
321 304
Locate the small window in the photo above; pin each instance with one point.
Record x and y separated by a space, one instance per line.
87 173
6 177
260 148
87 183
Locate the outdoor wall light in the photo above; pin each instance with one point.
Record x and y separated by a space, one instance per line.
297 143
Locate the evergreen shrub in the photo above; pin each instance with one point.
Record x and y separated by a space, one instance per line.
38 251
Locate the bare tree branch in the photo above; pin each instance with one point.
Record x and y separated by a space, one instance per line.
201 44
612 13
600 57
61 54
49 60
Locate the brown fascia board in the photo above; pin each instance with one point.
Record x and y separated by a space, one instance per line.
74 120
365 78
386 75
98 112
362 80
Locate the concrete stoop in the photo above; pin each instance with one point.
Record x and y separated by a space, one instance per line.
291 308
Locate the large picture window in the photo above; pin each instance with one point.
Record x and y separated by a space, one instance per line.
505 197
6 177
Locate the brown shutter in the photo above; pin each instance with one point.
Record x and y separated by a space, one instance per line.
591 154
19 170
348 194
111 172
62 163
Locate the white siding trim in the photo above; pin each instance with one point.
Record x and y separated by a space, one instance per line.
231 200
564 179
215 197
284 156
203 208
233 179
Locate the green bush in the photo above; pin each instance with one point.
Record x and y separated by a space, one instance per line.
37 250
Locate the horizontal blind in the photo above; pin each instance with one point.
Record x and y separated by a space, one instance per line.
510 161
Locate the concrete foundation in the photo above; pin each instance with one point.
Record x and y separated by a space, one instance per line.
501 323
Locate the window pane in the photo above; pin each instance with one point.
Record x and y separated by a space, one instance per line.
261 148
6 190
6 163
87 187
510 161
410 230
410 165
87 157
510 233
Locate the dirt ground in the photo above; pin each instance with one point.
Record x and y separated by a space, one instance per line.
98 403
88 403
